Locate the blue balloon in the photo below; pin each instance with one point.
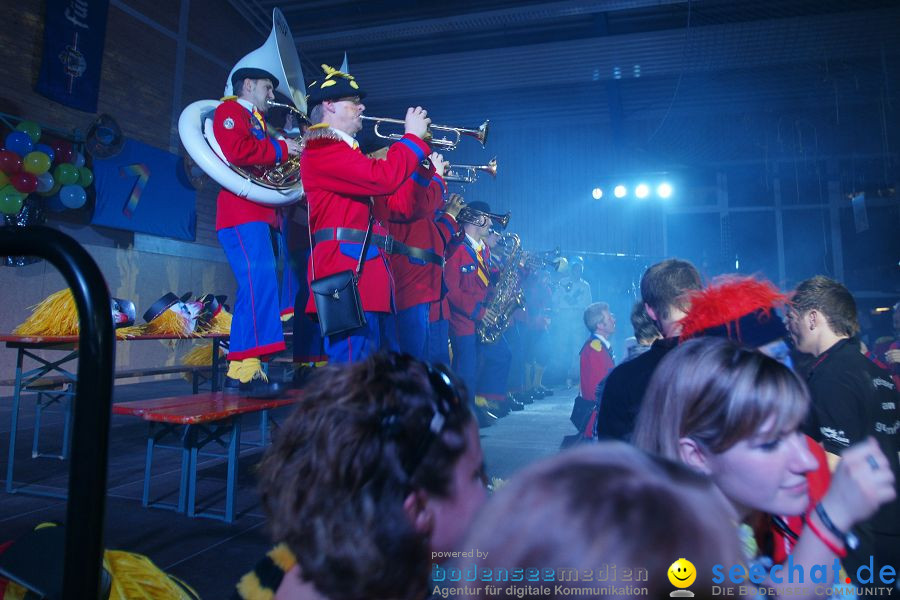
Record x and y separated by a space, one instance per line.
72 196
46 150
19 142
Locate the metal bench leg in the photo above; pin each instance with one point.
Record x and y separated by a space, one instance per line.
234 446
145 499
14 425
38 410
67 424
264 428
191 451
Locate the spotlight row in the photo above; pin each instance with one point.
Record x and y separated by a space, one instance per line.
641 191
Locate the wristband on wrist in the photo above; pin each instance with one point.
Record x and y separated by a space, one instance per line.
840 552
850 540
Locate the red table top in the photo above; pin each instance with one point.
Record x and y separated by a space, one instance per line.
200 408
10 338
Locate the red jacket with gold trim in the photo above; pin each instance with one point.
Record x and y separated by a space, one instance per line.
596 363
244 143
466 291
340 182
417 281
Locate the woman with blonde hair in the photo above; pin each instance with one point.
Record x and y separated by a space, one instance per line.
734 414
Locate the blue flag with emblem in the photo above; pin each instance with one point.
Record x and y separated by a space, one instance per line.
145 189
74 34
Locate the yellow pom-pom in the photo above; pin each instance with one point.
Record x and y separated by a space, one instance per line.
169 323
55 315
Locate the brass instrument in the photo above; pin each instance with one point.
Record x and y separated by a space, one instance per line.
469 173
282 175
506 296
479 218
445 143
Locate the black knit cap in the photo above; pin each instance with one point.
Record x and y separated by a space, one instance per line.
335 84
251 73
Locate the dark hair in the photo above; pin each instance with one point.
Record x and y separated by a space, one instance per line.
830 298
606 504
664 285
335 479
645 329
717 393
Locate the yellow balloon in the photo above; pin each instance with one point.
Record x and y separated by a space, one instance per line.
36 163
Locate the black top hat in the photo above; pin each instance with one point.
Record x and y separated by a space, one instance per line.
164 304
251 73
480 206
336 84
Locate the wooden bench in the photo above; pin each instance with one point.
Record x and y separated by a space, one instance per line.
198 420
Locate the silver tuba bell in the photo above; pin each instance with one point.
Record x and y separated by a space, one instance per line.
278 56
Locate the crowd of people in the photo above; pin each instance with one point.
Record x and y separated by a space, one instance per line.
711 445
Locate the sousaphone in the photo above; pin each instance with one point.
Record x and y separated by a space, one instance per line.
279 57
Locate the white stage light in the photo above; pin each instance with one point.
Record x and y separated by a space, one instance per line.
597 193
642 190
664 190
620 191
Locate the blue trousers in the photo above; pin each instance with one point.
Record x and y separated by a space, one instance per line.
465 362
379 333
439 342
494 361
412 330
256 324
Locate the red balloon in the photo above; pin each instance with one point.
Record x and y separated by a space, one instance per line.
63 150
24 182
10 162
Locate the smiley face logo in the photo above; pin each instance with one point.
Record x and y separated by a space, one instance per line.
682 573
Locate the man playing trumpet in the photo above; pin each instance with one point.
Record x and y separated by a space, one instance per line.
244 230
343 187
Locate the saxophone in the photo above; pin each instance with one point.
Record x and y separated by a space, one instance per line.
506 297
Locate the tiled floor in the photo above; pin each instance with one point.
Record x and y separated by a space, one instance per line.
209 555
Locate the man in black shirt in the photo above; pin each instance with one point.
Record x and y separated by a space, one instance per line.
663 288
852 398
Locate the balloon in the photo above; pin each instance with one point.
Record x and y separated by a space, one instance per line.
63 150
4 179
85 177
46 150
53 190
10 162
45 183
24 182
10 200
31 129
36 163
72 196
65 173
78 159
19 142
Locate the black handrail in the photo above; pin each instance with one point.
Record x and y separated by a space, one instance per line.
93 400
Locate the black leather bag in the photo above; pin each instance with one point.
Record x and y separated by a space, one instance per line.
338 304
581 412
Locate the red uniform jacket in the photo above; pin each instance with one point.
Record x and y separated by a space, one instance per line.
417 281
466 290
339 183
596 363
244 143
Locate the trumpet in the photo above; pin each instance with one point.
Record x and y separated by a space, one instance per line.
469 173
446 143
479 218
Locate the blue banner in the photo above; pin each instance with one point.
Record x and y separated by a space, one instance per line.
74 34
145 189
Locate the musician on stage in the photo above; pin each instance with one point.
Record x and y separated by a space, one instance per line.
468 276
245 228
341 186
417 261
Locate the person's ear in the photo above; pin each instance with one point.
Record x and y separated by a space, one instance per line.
650 312
812 319
419 512
693 455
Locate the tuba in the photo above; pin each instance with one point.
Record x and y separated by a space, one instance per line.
279 185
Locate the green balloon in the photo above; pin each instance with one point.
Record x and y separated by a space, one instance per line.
85 177
36 163
65 173
31 128
11 200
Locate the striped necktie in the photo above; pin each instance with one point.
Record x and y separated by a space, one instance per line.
259 118
482 270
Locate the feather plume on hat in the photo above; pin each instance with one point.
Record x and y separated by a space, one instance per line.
737 307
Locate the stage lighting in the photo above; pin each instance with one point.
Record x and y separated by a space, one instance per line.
597 193
642 190
620 191
664 190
